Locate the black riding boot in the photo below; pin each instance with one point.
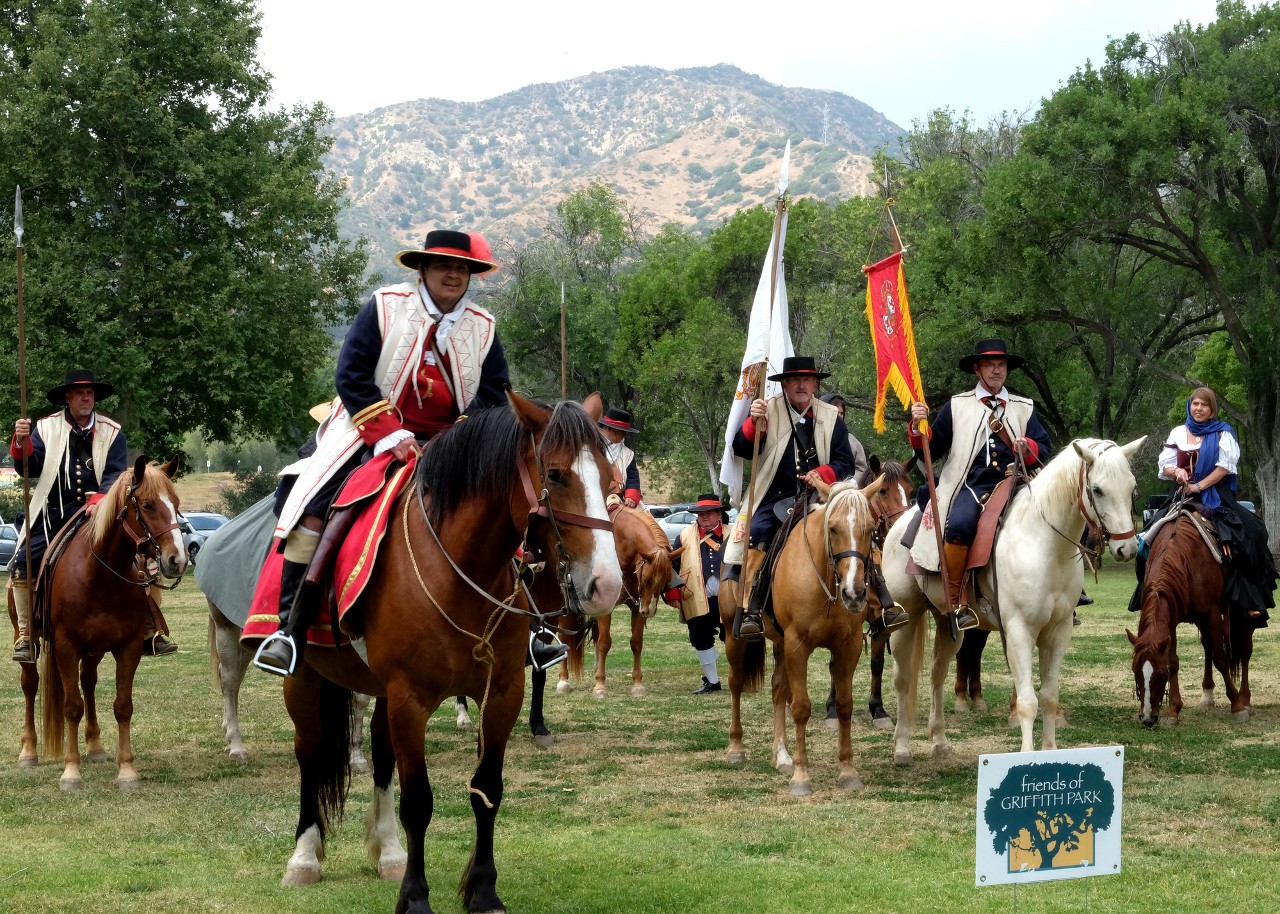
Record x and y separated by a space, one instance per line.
282 652
544 654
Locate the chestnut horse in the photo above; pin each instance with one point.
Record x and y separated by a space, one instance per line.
437 619
645 556
820 586
104 587
1184 584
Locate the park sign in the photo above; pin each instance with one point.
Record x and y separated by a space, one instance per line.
1048 815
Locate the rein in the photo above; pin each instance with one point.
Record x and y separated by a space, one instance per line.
145 546
1094 522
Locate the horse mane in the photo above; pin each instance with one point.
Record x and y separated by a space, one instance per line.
893 472
844 491
154 482
651 522
1055 485
478 454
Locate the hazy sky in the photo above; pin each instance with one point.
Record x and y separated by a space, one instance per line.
902 58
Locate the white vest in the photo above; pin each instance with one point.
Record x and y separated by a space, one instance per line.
55 432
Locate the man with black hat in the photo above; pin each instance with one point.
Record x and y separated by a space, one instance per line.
615 424
984 432
418 355
74 455
698 595
802 440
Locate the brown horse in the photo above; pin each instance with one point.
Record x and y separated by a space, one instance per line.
645 557
103 593
1184 584
820 586
438 620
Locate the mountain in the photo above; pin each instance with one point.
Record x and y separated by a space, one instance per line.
685 146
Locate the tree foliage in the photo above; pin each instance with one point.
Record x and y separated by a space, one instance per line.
181 240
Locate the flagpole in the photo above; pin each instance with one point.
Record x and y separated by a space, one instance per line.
564 359
780 209
18 229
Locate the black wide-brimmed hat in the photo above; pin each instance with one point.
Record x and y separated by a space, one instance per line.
79 377
799 366
990 349
459 245
617 419
708 502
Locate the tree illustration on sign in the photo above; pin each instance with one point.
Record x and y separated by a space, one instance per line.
1047 809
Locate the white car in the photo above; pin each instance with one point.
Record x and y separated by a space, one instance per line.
674 523
196 527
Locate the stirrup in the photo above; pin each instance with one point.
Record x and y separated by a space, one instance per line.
553 652
750 627
282 638
965 618
891 618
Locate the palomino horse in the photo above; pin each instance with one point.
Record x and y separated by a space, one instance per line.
102 594
437 621
1184 584
1032 582
820 587
644 554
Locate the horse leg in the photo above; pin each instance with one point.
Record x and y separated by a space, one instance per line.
68 664
358 761
302 700
479 880
127 661
879 716
1173 713
1206 681
944 651
735 655
780 691
969 671
604 641
831 722
1239 709
27 754
563 685
794 666
462 714
638 620
542 736
844 669
908 655
1018 648
381 833
1054 641
229 662
93 747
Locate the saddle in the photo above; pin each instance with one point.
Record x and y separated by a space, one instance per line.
43 584
762 592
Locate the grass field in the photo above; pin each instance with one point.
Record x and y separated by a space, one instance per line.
634 809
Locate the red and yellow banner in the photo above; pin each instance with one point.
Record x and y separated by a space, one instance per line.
891 335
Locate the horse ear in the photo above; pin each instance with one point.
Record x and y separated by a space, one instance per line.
1132 447
139 469
594 406
873 464
1132 639
910 463
1084 453
823 490
531 415
171 468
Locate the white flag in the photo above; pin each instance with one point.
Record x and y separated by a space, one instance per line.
759 336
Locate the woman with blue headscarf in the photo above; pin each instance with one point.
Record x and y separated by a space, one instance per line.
1201 456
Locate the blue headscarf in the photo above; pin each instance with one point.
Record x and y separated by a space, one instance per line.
1207 460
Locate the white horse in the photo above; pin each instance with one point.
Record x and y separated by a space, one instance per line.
1033 583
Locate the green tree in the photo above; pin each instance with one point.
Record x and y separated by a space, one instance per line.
181 239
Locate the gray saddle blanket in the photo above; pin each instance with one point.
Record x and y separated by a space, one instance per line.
230 559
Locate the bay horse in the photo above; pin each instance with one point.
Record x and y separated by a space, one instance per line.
437 620
1032 582
103 588
1184 583
645 556
820 587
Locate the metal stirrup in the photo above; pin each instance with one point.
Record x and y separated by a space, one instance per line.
275 670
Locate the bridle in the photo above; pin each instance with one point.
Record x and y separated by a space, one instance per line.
1083 489
146 547
835 558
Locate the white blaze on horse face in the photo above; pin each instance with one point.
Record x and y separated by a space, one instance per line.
598 579
1147 712
175 537
853 590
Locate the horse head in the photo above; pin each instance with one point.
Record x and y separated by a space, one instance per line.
1107 491
1153 659
849 523
142 505
572 475
889 494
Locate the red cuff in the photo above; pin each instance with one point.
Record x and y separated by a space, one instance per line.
915 438
1033 450
94 498
828 475
749 427
633 494
17 454
376 422
672 595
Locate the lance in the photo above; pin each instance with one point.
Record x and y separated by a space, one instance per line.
18 229
564 358
780 209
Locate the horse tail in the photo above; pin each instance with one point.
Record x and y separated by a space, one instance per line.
333 775
51 716
753 665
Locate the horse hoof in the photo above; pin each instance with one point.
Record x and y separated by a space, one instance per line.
544 740
735 758
801 789
239 755
1014 723
943 750
564 687
902 758
128 784
391 873
599 694
788 768
882 723
70 784
300 875
831 723
1240 716
1168 721
979 705
1061 722
98 755
962 706
850 782
639 691
360 765
28 761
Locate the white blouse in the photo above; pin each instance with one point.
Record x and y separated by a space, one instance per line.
1181 439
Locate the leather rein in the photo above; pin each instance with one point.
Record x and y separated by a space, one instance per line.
146 548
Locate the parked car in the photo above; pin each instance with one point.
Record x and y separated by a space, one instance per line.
8 544
196 527
672 524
